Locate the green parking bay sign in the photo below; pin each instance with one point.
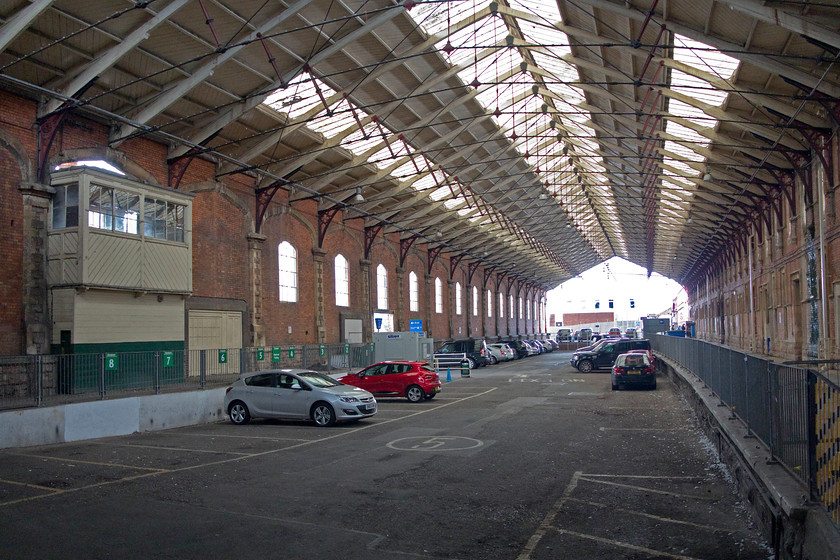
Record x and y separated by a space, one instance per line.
112 362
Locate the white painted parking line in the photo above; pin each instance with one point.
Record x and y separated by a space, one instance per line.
604 429
650 516
548 522
646 489
628 546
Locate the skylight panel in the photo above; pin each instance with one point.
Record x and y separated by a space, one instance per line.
542 8
455 202
330 125
703 57
441 193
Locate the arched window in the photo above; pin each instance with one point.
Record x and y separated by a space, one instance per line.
413 304
528 309
438 296
489 303
501 305
381 287
457 298
287 271
512 308
475 301
342 282
521 310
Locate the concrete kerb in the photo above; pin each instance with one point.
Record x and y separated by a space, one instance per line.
778 500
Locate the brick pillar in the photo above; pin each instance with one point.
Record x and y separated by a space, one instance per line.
500 321
36 313
367 323
255 268
401 326
320 310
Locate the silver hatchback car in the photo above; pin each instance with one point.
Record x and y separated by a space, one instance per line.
296 394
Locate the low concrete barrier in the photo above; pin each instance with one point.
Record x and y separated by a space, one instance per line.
116 417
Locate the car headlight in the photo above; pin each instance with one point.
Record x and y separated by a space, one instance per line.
349 399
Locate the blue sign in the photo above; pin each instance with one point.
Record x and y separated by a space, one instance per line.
378 321
415 325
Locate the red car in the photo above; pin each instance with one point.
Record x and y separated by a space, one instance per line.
413 380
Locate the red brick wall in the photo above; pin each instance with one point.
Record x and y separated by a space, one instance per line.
12 335
571 319
440 321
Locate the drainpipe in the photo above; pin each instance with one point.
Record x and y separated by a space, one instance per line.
752 300
823 299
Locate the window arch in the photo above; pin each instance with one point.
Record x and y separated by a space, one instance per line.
287 272
475 301
381 287
438 295
413 301
342 282
457 298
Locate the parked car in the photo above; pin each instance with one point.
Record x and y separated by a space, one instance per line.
413 380
296 394
564 335
522 349
603 355
633 369
531 348
614 331
500 352
583 335
630 333
553 344
474 348
649 354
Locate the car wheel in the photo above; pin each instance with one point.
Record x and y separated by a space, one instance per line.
614 387
239 413
471 363
585 366
653 385
493 360
414 393
323 414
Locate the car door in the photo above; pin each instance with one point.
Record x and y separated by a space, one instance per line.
606 355
372 380
259 394
391 382
292 397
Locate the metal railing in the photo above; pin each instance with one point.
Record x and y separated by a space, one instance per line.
793 410
46 380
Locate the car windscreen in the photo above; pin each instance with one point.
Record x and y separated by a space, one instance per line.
318 379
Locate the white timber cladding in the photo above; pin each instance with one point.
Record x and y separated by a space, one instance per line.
62 305
101 258
113 316
211 330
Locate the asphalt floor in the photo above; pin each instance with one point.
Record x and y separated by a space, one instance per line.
525 460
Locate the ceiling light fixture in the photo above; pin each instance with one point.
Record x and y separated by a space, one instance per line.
358 198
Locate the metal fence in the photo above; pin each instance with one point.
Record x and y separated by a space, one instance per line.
47 380
793 410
